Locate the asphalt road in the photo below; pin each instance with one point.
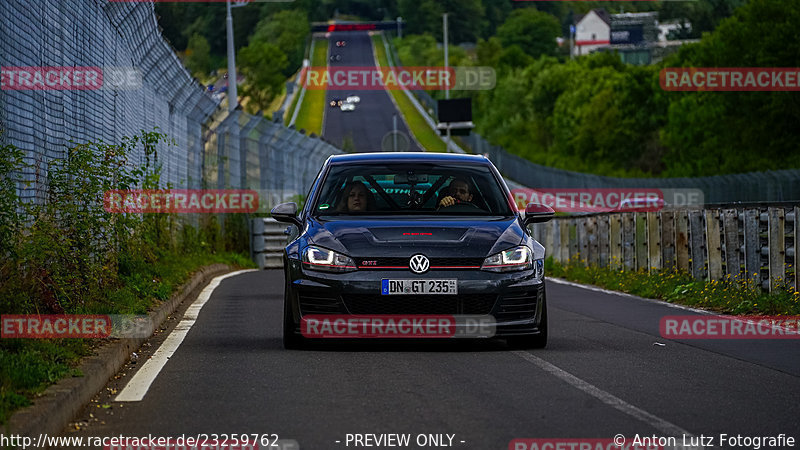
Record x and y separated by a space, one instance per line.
373 116
601 375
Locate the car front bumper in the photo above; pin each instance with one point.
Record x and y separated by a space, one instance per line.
515 300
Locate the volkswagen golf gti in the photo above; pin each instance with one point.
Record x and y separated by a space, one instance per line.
390 234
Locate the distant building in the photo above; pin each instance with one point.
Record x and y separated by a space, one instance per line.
592 32
638 38
633 36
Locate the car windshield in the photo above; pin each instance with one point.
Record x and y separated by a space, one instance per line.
399 189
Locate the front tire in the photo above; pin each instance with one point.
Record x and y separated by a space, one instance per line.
291 340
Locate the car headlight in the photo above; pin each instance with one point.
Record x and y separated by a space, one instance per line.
318 258
511 260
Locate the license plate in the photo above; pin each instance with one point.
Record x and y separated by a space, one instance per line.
411 287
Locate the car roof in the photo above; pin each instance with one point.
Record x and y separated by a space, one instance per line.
407 157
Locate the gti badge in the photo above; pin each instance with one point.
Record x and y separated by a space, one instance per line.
419 264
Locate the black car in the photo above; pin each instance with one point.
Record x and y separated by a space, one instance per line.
417 234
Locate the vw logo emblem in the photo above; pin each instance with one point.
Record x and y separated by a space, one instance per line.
419 264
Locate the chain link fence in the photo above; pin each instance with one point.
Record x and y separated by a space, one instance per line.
213 149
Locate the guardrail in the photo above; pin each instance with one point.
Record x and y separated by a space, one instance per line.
711 244
269 238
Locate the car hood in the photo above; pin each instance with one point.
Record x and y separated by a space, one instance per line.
451 238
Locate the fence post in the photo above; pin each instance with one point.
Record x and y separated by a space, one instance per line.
796 248
602 240
590 226
713 248
653 241
730 223
582 231
697 244
667 239
682 240
615 241
628 241
547 239
564 236
572 238
641 241
776 246
752 245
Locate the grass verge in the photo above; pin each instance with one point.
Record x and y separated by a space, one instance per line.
727 296
428 138
311 110
29 366
69 255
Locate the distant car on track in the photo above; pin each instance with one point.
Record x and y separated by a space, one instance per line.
414 234
347 106
336 102
353 99
336 57
341 43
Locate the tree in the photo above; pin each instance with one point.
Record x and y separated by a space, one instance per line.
496 12
262 63
729 132
465 18
198 56
533 31
287 30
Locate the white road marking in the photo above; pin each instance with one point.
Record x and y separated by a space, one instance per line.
625 294
668 428
139 384
785 329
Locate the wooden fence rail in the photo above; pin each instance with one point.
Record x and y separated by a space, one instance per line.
711 244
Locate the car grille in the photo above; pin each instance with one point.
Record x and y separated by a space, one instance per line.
436 263
519 306
420 304
311 304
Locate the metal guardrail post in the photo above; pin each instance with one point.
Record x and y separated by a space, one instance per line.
730 226
268 242
776 247
667 220
713 246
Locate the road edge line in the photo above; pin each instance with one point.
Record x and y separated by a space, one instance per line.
60 403
625 294
139 384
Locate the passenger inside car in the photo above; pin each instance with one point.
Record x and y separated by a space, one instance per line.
356 198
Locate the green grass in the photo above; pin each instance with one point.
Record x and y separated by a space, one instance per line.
288 117
428 138
29 366
727 296
311 110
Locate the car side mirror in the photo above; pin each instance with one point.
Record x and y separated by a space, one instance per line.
286 212
536 213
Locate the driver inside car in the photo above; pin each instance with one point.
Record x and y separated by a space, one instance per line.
458 192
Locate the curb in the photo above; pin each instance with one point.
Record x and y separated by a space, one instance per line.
61 402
